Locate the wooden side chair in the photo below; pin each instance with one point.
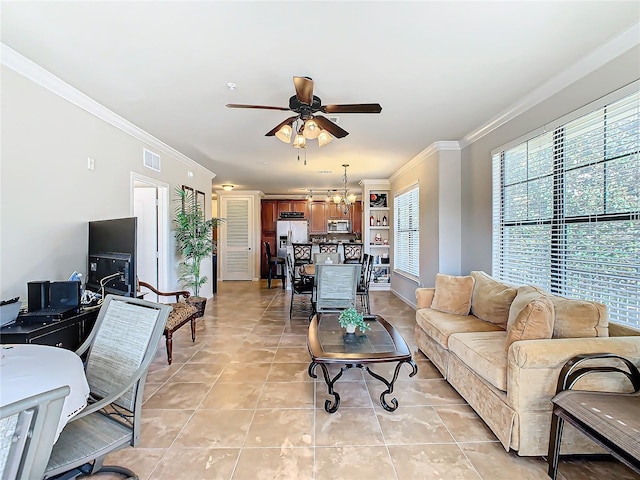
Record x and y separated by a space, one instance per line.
182 313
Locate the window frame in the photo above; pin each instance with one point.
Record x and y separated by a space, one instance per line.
412 231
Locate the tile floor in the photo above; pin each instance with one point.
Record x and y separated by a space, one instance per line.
238 404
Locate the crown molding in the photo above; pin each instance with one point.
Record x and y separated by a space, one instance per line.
37 74
432 149
615 47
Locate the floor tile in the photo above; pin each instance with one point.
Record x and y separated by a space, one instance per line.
432 461
275 464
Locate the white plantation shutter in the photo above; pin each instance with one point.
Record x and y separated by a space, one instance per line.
406 234
566 209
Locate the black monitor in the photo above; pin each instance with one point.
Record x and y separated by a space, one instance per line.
112 250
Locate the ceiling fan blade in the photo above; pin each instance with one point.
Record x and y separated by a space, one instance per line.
330 127
288 121
304 89
263 107
352 108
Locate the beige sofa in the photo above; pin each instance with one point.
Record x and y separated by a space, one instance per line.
510 388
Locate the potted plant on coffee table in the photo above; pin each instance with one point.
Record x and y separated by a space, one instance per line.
194 239
350 319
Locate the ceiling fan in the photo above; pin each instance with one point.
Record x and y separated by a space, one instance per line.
305 104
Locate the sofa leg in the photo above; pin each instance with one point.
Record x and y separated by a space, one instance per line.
169 342
193 329
555 437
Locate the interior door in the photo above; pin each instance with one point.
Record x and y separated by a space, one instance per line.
236 238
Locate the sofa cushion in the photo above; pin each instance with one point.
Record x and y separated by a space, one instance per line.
576 318
491 299
531 316
424 297
439 325
453 294
483 352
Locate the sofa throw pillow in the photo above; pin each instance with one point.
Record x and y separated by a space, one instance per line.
531 316
491 299
453 294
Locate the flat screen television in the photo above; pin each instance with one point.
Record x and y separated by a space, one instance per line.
112 253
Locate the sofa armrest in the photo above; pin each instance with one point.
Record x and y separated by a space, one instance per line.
424 297
533 367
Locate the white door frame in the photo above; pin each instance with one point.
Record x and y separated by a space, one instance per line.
162 189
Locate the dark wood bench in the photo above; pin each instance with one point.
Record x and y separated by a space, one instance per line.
610 419
183 312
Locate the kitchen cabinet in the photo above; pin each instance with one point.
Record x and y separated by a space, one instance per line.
269 215
318 218
356 218
336 212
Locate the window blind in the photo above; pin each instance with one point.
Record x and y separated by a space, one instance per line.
566 210
406 256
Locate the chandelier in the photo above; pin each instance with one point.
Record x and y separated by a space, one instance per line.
346 199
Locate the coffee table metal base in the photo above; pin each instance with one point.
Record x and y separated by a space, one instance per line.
332 407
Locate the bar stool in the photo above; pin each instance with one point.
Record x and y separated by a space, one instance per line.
275 262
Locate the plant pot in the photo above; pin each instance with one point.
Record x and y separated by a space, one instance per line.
351 328
200 303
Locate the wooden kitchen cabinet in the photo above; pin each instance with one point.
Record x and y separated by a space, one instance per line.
318 218
269 215
336 212
356 218
300 206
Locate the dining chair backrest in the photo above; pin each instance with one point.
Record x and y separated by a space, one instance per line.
326 258
336 286
328 247
301 253
27 431
267 249
352 252
121 347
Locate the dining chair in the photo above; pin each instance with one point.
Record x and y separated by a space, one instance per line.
27 431
119 350
182 313
328 247
300 285
301 253
336 287
365 280
274 262
326 257
353 252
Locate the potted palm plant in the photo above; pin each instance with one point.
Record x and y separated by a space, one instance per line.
194 239
350 319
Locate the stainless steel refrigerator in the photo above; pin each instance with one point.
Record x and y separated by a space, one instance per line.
291 231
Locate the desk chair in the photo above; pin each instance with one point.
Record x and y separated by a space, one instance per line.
182 313
328 247
336 287
301 253
27 432
353 252
120 349
277 262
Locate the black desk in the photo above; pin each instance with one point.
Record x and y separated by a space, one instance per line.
68 333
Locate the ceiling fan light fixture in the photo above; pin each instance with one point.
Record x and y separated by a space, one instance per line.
311 129
299 141
324 138
284 134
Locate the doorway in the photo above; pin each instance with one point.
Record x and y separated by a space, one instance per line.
149 204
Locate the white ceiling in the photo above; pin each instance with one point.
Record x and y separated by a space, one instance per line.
440 70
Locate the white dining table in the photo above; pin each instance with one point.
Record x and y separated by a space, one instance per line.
28 369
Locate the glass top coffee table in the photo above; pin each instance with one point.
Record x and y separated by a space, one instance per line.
329 344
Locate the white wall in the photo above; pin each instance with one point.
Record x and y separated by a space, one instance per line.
48 195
